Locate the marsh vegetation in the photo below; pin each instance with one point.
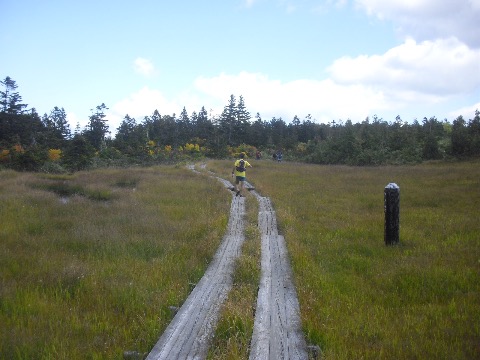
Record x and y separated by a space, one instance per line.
95 275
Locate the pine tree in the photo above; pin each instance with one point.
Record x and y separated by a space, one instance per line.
204 127
184 127
242 122
257 134
57 128
460 143
97 128
228 120
10 101
78 154
474 134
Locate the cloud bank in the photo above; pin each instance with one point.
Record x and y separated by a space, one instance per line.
430 19
437 60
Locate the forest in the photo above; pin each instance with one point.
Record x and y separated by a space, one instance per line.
30 142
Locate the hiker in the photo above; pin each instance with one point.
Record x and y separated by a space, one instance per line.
239 169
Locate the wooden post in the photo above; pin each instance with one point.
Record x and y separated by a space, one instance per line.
392 214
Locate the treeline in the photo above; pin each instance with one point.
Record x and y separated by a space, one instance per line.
32 142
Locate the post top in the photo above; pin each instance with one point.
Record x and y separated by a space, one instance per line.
392 186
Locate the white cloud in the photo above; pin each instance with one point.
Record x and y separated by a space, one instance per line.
468 112
414 76
410 77
325 100
144 67
432 69
138 105
430 19
73 119
389 8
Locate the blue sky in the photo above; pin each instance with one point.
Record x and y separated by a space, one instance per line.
333 59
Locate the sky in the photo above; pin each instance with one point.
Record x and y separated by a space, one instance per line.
330 59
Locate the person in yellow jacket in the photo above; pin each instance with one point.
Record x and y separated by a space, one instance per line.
239 170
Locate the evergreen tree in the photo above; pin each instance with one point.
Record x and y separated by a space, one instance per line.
16 126
278 130
153 126
57 128
171 132
130 138
217 146
23 129
164 130
460 139
432 132
228 120
242 122
431 150
184 127
203 125
293 130
78 154
257 134
10 100
306 130
474 134
97 128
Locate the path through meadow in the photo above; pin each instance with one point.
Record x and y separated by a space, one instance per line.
277 328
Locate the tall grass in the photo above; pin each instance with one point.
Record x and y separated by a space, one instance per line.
90 263
360 299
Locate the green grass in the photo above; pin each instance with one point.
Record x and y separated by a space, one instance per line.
88 279
360 299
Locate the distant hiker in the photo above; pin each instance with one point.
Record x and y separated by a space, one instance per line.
239 169
258 154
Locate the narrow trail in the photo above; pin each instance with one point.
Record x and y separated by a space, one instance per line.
189 333
277 329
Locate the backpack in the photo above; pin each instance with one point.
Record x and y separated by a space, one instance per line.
241 166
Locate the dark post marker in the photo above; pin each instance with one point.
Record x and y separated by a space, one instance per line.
392 214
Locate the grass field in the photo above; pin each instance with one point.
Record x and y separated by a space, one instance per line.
91 262
359 298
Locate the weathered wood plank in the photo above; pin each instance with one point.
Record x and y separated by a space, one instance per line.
277 328
189 333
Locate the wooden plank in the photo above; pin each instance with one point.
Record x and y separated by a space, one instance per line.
277 328
189 333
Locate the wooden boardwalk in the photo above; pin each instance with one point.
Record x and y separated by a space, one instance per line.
189 333
277 332
277 329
